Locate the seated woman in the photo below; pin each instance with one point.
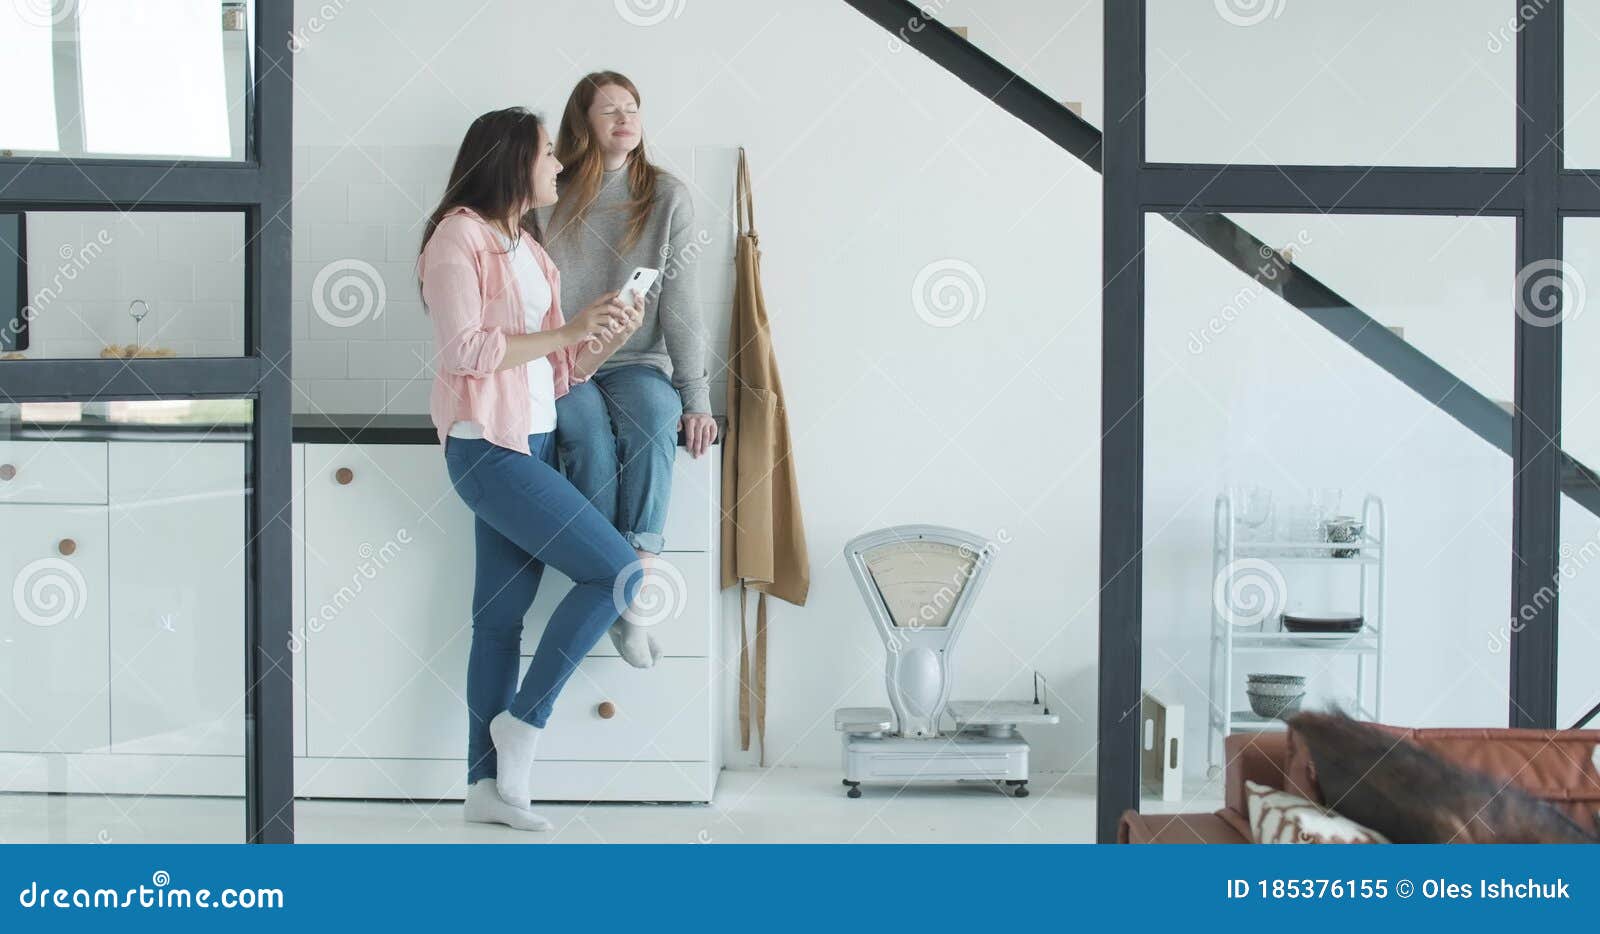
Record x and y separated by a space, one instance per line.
618 433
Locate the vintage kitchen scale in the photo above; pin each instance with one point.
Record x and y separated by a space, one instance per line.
920 583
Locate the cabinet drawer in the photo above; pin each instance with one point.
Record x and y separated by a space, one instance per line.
682 580
53 472
692 518
53 630
657 714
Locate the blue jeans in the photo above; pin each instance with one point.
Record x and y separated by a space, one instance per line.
528 516
618 437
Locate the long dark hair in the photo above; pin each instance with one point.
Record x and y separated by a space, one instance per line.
583 165
493 173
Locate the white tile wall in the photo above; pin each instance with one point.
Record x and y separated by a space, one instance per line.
86 268
368 204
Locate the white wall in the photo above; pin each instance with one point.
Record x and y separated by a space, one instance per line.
872 165
86 267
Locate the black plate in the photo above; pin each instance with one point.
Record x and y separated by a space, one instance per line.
1303 623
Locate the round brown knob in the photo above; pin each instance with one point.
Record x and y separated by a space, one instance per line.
67 546
606 710
344 475
7 471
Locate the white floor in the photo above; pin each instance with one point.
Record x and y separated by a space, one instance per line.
769 806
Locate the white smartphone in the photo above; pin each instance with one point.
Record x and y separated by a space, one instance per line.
639 283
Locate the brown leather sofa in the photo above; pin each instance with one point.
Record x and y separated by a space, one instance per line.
1560 766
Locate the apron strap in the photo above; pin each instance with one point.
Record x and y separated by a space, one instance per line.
753 694
746 203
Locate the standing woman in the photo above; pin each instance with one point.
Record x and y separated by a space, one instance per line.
505 355
618 432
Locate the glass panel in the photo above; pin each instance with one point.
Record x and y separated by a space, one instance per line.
1443 284
116 79
1581 77
104 284
1318 535
122 645
1332 82
27 120
1577 687
1056 47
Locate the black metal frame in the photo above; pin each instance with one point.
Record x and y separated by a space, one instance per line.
259 188
20 327
1537 192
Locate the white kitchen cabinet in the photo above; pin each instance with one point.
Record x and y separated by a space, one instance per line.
388 571
610 710
388 630
52 472
297 645
681 588
178 567
53 630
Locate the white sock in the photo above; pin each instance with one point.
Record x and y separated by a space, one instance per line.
635 644
485 807
515 742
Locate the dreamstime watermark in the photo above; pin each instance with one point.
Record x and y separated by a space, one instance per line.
676 258
662 594
1250 12
1574 558
320 19
650 12
917 23
1275 263
1506 36
936 608
371 561
1249 592
49 591
347 292
43 12
947 292
1544 284
74 261
160 893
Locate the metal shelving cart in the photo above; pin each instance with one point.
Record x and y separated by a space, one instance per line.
1230 638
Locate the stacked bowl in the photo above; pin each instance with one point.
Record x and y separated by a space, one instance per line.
1275 696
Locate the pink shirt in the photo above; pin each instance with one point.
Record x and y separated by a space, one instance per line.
470 291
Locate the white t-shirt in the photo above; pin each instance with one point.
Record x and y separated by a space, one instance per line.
535 291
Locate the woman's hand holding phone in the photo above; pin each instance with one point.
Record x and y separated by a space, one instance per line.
604 318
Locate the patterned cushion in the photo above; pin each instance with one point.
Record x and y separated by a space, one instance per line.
1280 817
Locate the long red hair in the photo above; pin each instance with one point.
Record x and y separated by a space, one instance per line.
583 166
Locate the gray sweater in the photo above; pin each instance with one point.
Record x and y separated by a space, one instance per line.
672 338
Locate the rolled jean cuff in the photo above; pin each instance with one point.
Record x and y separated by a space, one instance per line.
652 542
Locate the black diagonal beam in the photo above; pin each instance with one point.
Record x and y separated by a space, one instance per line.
1399 358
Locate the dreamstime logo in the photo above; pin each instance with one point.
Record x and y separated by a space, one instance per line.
74 260
372 560
43 12
1574 558
650 12
49 591
320 20
1250 12
348 291
917 23
1249 591
1274 263
662 593
1541 285
1506 35
937 606
947 292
